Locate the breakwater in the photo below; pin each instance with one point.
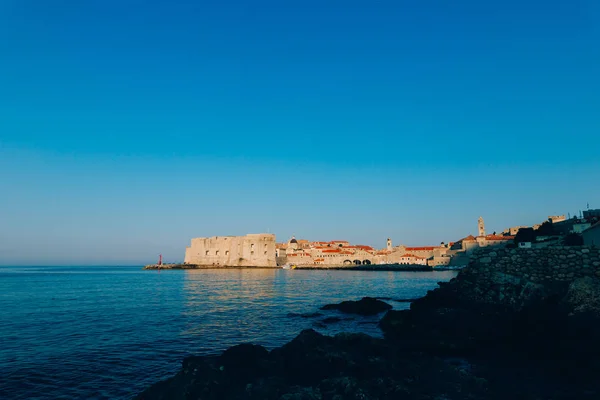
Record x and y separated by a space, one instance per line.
194 266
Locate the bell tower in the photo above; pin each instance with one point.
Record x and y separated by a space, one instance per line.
481 226
389 244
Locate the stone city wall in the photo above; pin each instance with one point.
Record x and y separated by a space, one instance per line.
541 265
253 250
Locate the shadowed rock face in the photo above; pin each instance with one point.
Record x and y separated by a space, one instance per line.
313 366
472 313
552 329
365 306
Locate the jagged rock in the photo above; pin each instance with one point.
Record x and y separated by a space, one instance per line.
245 361
313 366
583 296
365 306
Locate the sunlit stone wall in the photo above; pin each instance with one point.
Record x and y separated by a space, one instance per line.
253 250
538 265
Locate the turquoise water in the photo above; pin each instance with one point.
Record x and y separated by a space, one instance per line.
109 332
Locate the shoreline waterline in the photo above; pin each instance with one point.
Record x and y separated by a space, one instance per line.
367 267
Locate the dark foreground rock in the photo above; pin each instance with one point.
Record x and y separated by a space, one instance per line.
364 306
540 338
313 366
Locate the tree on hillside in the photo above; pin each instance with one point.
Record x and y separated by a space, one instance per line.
546 229
525 235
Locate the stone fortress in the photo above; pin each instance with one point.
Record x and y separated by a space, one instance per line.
253 250
261 250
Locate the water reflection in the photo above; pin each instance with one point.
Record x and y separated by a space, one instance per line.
107 333
259 306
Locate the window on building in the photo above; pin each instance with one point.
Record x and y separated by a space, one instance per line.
217 253
226 252
265 253
206 253
252 246
251 253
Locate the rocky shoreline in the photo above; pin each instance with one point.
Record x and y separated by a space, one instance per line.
486 334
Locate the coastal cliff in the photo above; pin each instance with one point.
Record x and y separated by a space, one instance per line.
520 323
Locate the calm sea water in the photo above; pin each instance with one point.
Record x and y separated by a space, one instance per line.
109 332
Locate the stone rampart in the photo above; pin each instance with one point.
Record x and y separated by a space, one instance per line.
252 250
563 264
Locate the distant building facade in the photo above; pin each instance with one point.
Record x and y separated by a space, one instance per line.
341 252
261 250
557 218
591 236
580 227
513 230
591 213
253 250
470 243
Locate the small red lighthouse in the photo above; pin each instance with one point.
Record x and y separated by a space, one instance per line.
160 259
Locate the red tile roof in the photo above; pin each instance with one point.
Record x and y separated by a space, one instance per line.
365 247
424 248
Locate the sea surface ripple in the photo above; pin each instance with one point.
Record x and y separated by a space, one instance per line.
109 332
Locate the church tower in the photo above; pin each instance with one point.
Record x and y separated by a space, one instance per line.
481 226
389 244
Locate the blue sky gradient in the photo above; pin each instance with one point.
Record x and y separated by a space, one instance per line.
128 127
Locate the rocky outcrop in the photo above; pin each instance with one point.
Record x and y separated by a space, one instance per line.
364 306
500 317
313 366
583 298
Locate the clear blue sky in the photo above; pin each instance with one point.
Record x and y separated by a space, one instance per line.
128 127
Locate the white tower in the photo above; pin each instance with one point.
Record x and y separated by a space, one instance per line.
481 226
389 244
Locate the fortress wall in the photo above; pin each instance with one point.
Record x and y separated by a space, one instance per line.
558 263
254 250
